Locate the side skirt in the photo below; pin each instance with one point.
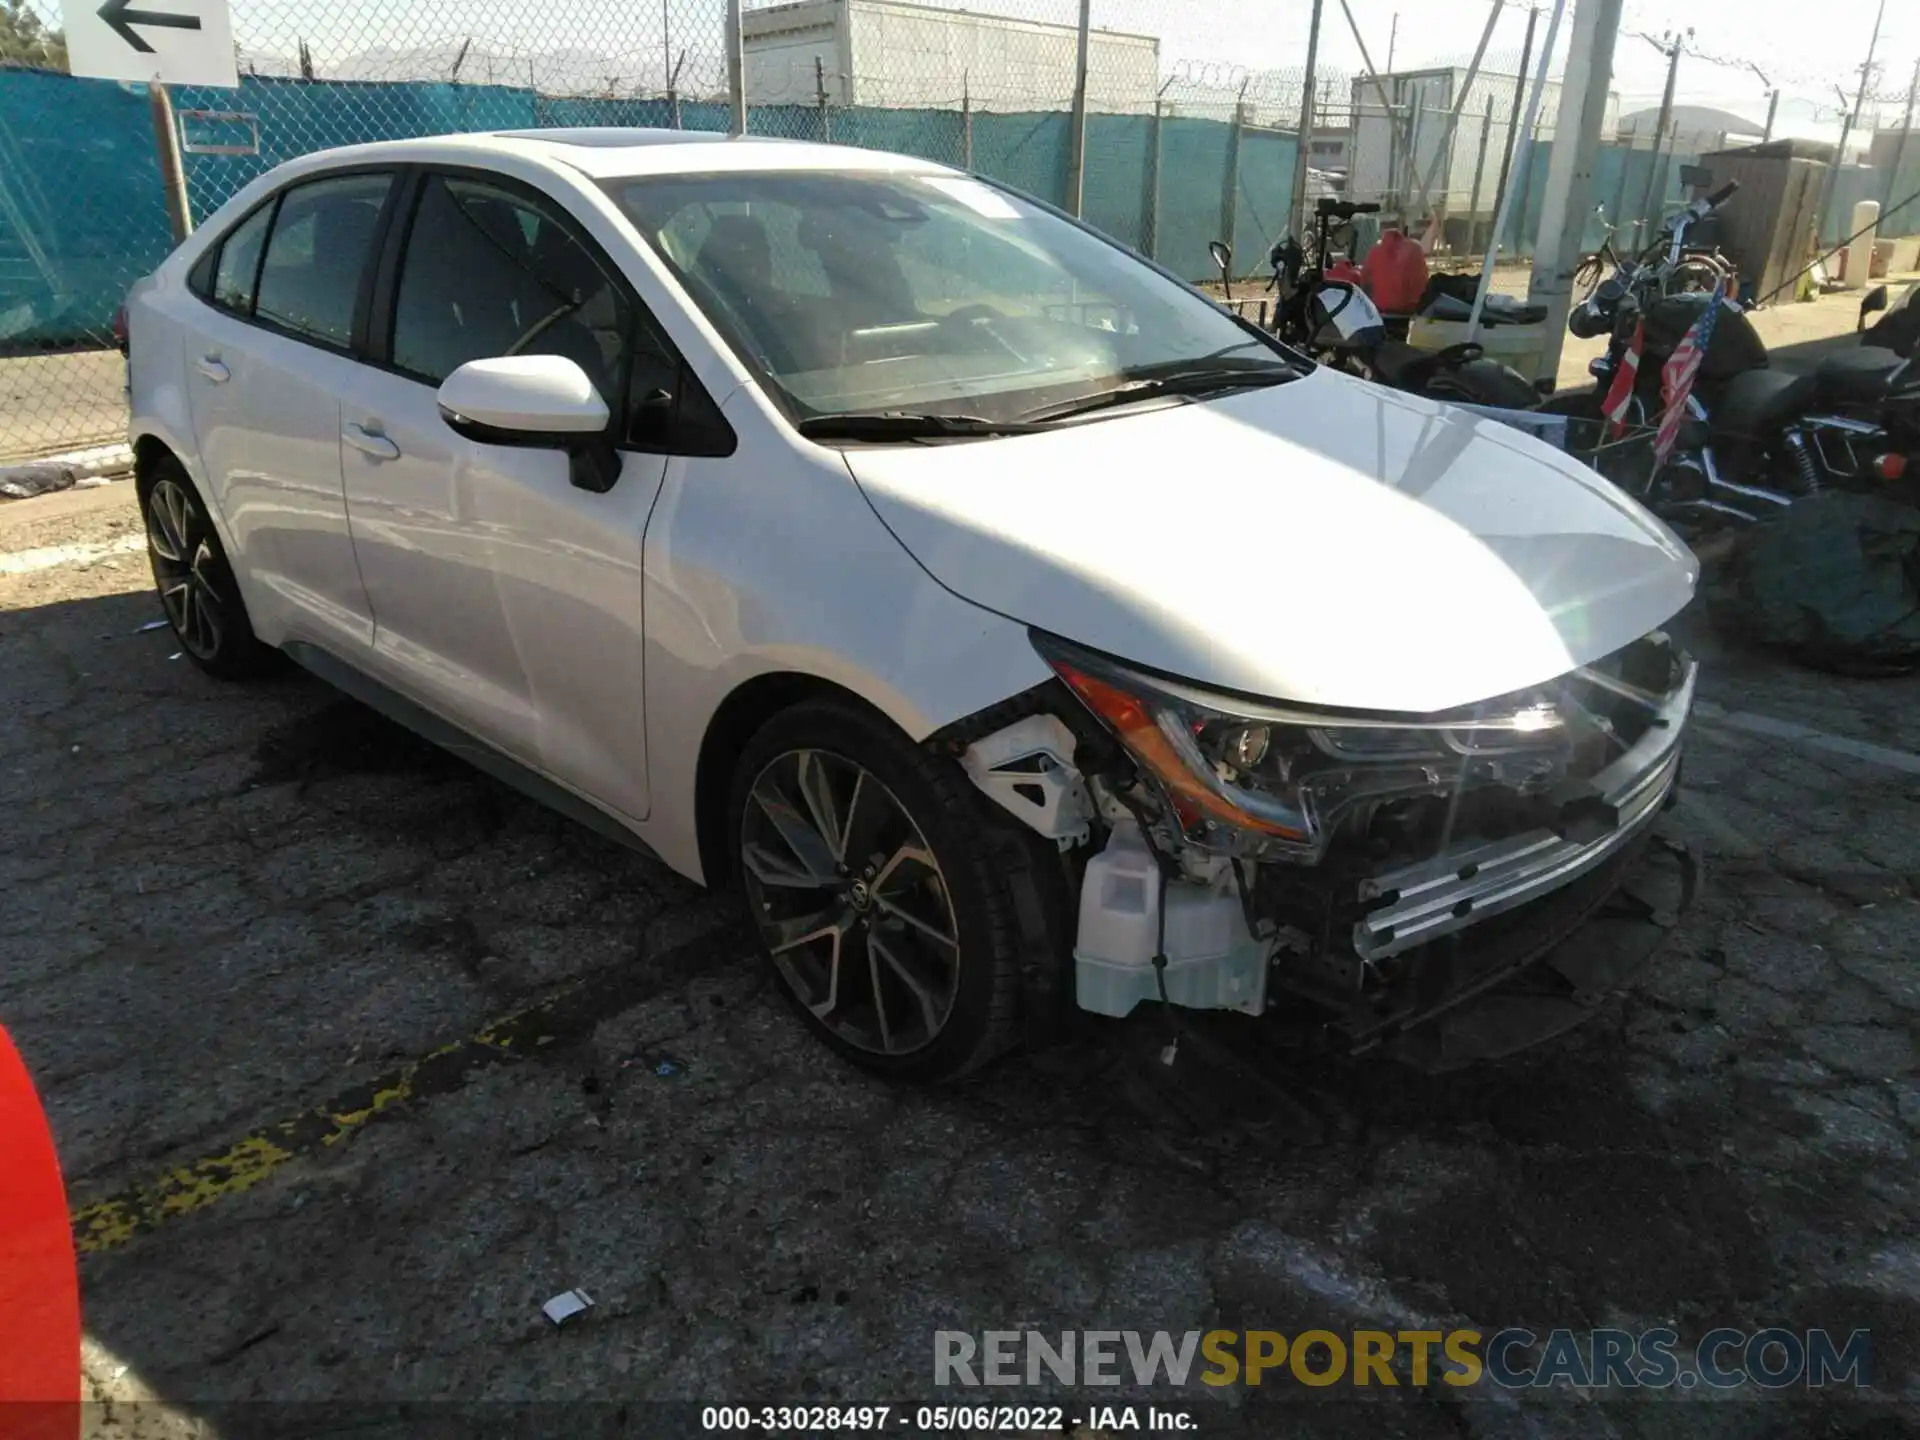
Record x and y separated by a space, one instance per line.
430 727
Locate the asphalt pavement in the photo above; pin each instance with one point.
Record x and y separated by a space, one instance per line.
355 1058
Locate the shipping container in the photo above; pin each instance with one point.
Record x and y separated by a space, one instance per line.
1383 165
904 56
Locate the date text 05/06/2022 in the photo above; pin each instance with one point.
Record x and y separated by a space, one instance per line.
797 1420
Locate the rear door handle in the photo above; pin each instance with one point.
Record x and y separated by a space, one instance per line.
211 367
370 443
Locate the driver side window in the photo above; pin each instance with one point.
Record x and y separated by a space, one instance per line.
488 273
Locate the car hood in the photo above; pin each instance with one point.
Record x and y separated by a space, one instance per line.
1324 541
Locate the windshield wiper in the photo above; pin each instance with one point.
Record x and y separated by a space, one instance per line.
1174 378
907 425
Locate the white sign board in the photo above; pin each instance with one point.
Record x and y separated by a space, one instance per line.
177 42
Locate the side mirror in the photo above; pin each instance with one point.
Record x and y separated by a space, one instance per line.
1222 254
543 402
1874 300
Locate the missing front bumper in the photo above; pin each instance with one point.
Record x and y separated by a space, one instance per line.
1393 952
1431 899
1541 971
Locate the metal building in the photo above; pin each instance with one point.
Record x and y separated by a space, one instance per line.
889 53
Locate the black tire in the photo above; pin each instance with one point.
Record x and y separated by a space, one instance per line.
953 821
198 593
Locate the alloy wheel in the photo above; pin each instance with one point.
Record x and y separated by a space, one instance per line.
850 901
184 565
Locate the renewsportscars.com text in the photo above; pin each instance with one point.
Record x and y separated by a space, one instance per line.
1514 1358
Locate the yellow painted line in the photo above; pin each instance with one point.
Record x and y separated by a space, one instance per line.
194 1186
111 1222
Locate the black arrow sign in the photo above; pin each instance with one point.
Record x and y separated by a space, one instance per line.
122 20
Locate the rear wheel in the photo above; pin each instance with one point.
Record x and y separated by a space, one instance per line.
868 872
198 593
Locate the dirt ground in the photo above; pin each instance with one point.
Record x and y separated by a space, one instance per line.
354 1058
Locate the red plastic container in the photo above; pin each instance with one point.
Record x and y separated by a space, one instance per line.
1396 273
1345 269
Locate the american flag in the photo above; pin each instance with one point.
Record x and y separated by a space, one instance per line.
1620 393
1677 375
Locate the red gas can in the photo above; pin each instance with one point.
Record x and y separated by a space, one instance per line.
1396 273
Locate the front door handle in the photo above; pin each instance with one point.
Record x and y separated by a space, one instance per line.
370 442
211 367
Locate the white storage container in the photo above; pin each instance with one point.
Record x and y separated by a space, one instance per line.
1524 347
1212 960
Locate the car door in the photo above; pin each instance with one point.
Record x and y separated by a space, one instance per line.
266 366
506 599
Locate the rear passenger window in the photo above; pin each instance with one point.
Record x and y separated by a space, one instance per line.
239 263
321 243
487 273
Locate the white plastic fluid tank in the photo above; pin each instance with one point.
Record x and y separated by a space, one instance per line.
1120 902
1212 961
1866 219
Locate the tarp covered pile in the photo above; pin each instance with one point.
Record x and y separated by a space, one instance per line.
1833 581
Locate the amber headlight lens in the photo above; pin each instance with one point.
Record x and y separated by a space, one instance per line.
1274 779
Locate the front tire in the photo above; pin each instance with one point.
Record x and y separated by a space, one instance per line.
868 873
198 593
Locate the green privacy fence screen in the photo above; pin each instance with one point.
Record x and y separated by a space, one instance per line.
82 215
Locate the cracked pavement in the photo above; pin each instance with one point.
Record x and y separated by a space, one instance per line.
223 905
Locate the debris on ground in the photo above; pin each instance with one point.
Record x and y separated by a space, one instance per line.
23 482
567 1304
665 1066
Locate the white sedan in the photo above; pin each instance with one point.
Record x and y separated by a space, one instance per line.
1015 627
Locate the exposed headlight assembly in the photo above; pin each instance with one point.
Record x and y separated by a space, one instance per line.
1273 780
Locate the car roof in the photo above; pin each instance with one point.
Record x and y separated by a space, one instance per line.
618 152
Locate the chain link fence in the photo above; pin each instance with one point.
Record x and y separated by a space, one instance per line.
1174 152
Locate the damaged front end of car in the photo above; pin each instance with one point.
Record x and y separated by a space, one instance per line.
1425 880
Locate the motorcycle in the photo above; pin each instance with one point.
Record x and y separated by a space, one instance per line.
1322 308
1752 439
1898 328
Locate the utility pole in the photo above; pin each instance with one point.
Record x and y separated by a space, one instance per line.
1900 146
1672 48
1077 132
737 67
1773 100
1304 144
1851 118
1479 169
1513 115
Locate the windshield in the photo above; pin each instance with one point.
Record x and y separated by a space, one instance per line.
933 294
